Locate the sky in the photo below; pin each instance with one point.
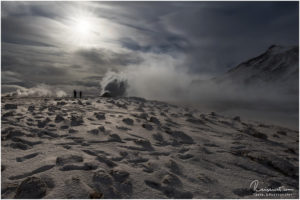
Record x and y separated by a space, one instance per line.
159 47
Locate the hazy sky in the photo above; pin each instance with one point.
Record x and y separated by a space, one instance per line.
73 44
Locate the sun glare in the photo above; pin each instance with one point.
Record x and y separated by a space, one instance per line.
81 29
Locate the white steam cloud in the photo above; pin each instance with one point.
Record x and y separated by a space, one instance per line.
41 90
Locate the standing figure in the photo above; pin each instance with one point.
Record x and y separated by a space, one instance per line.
80 94
75 94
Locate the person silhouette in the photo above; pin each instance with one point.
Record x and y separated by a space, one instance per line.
80 94
75 94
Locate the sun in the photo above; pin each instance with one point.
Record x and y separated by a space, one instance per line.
82 27
81 30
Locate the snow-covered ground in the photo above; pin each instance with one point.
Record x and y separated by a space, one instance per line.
134 148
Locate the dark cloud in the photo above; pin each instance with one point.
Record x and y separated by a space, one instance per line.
180 39
106 59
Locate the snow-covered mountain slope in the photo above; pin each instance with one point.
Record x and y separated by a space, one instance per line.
277 66
134 148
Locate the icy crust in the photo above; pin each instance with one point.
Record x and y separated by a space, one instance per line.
134 148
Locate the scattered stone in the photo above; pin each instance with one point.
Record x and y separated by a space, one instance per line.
154 120
8 114
115 138
237 118
281 132
251 131
10 106
31 188
64 159
123 128
106 94
96 195
100 116
101 128
61 103
128 121
31 108
94 131
72 131
102 177
147 127
119 175
64 127
76 121
171 180
58 118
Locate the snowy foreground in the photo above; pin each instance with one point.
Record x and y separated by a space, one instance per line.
133 148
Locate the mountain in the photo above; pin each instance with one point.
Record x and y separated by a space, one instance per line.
278 66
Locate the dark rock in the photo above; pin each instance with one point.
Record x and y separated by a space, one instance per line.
106 94
147 126
281 132
237 118
115 138
119 175
31 108
154 120
128 121
76 121
58 118
10 106
31 188
100 116
94 131
61 160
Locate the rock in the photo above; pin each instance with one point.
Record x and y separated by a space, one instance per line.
128 121
58 118
143 116
181 136
106 94
72 131
94 131
19 145
154 120
100 116
144 143
119 175
76 121
281 132
237 118
174 167
31 188
251 131
31 108
115 138
10 106
42 124
101 128
171 180
124 128
147 126
8 114
96 195
3 167
64 159
101 177
61 103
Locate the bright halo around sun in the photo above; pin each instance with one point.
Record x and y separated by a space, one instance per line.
82 30
82 27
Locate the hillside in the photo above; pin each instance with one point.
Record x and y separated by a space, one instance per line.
134 148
